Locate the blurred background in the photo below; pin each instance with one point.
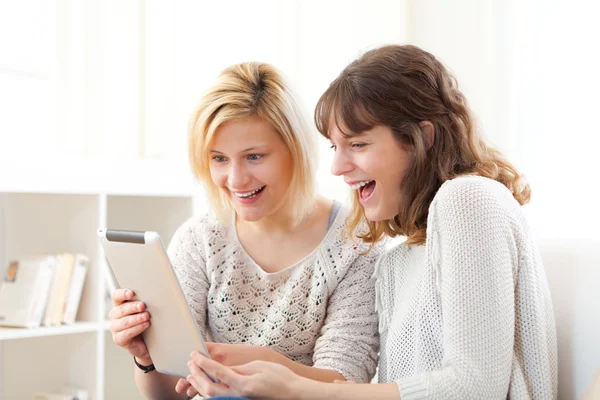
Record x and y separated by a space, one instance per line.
94 92
117 80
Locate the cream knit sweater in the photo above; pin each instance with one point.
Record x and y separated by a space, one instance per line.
469 315
319 311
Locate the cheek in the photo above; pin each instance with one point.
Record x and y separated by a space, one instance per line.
279 172
218 176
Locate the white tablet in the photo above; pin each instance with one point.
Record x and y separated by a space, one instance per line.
139 262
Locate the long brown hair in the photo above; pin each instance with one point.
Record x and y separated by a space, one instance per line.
399 87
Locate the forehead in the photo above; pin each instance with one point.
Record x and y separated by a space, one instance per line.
348 122
247 131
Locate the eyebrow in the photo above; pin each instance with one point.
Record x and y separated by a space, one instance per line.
243 151
355 134
351 136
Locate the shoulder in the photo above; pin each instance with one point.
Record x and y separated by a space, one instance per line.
199 226
394 251
475 211
474 194
343 253
199 233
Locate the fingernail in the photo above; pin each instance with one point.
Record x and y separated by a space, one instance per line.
193 354
127 293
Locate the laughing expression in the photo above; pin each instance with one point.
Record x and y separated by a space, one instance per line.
252 165
373 163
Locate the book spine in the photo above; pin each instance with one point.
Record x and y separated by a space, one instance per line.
40 293
53 293
76 288
63 288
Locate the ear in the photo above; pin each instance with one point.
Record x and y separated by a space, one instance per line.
429 131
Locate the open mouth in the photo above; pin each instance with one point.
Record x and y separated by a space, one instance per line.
366 190
250 195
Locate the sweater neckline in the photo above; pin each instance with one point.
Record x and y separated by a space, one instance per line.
326 238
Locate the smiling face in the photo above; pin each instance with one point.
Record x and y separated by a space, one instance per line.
373 163
252 165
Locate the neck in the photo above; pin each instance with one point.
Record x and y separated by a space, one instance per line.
282 221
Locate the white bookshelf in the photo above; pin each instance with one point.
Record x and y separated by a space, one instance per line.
58 209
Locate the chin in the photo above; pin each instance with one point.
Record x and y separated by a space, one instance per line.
378 215
373 215
250 217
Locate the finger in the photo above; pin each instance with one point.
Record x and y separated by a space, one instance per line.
120 296
218 371
340 381
191 391
124 337
129 321
217 352
125 309
202 383
182 385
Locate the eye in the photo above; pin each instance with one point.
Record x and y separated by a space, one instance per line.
357 145
219 159
332 146
254 157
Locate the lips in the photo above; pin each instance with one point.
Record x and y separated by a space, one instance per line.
250 194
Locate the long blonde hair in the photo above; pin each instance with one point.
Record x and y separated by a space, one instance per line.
399 87
254 89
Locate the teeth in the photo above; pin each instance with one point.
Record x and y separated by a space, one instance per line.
358 185
248 194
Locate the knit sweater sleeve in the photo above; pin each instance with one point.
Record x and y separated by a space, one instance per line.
187 256
349 340
471 244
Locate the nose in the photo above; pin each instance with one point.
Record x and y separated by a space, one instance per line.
341 163
238 176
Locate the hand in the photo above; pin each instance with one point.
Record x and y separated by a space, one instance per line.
128 319
229 355
238 354
257 379
183 386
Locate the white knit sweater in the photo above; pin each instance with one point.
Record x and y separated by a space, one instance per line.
469 315
319 311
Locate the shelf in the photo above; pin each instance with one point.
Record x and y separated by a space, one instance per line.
83 176
78 327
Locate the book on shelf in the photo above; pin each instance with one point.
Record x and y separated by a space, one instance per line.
24 291
44 290
80 267
60 281
66 393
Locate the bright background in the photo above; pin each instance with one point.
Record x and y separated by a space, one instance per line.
86 84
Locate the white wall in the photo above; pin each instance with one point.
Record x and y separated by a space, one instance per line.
111 79
530 72
108 79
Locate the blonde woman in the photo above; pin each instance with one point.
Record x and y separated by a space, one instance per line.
267 275
464 306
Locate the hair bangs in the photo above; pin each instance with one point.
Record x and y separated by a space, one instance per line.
343 104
